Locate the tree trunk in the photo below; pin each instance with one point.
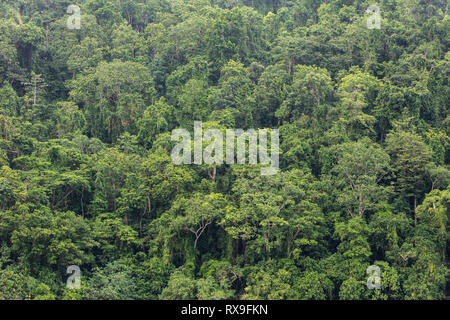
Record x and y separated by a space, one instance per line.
213 175
415 207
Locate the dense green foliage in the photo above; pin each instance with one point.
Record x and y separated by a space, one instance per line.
86 176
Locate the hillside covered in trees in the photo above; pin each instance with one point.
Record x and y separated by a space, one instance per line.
87 179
